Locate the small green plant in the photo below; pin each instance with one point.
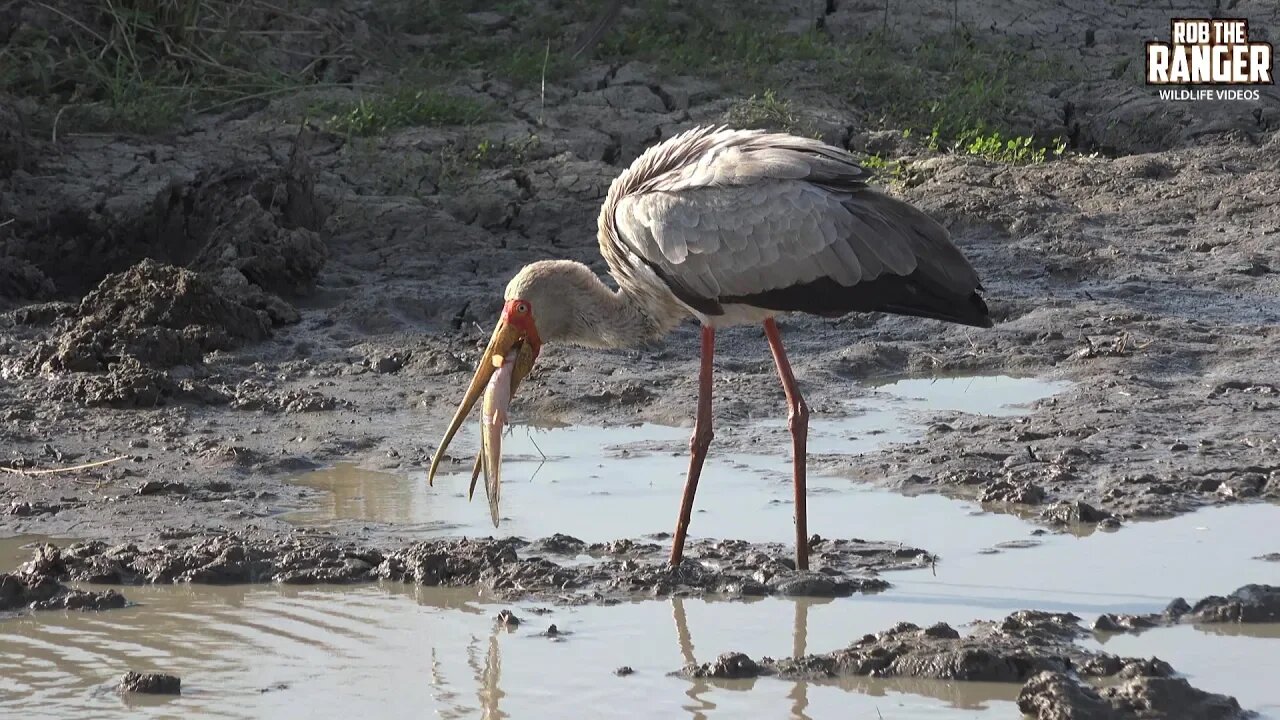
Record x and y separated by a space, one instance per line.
1021 150
877 162
886 170
768 111
405 108
457 163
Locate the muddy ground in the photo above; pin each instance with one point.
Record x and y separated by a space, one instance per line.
256 290
252 295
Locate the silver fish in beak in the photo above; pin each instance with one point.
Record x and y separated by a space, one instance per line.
506 361
494 414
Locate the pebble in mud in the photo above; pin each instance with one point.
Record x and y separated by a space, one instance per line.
624 671
508 619
151 683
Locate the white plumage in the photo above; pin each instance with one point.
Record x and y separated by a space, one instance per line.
730 227
725 216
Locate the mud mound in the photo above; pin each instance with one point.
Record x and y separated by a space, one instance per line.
509 567
20 280
1248 604
36 586
1028 646
1057 696
157 315
1008 650
118 203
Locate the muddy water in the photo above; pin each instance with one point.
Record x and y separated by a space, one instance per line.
334 652
570 479
328 652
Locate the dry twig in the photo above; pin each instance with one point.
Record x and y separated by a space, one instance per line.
51 471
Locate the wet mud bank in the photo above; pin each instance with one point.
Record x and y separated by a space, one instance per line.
510 568
1060 678
39 585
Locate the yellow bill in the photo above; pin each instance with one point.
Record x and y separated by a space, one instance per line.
507 360
493 418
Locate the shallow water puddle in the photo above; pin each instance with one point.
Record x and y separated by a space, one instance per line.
285 652
571 480
290 652
336 651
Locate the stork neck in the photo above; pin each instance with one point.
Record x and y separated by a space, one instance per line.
622 318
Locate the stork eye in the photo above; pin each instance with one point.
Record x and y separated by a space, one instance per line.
522 308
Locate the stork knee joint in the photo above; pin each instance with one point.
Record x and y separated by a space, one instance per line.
701 439
798 417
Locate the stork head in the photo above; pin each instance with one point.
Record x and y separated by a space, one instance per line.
538 306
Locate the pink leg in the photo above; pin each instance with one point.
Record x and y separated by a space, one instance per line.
798 421
698 444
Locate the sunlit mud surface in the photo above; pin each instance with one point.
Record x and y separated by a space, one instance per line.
325 651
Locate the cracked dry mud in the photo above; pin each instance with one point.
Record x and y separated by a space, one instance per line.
243 300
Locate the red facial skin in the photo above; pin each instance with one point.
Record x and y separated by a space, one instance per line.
519 314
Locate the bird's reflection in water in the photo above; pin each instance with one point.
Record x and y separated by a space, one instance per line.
484 658
697 686
486 670
965 695
799 693
490 680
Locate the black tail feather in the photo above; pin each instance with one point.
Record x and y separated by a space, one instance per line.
915 294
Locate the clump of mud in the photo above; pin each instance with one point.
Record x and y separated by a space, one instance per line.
35 586
148 318
1058 696
511 568
1010 650
1248 604
1036 648
159 315
150 683
166 268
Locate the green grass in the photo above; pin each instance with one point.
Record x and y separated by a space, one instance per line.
953 86
139 65
1021 150
768 111
144 64
404 108
524 59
